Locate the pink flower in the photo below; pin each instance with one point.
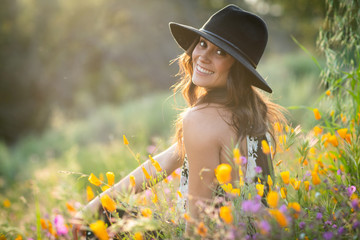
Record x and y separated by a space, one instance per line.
60 226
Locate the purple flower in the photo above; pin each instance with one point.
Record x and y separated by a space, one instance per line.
355 204
283 208
327 235
351 190
148 193
356 225
60 225
341 230
250 206
258 169
243 160
338 172
328 222
318 216
302 225
264 226
334 226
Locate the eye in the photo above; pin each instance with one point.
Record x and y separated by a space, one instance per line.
221 52
202 43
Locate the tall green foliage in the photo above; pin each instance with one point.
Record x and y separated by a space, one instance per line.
339 40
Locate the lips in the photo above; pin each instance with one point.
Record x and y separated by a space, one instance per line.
203 70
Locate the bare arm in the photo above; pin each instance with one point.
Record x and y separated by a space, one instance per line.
169 161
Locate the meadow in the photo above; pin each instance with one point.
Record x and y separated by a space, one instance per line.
47 178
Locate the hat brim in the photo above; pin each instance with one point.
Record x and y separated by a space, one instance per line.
185 35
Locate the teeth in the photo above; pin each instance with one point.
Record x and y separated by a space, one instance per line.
203 70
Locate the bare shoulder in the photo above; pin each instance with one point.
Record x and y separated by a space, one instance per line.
208 122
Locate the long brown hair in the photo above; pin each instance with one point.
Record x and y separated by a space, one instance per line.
253 114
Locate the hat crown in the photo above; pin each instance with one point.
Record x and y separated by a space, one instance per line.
242 29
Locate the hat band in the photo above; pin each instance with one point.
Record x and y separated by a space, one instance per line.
232 45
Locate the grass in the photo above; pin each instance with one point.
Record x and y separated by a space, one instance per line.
42 166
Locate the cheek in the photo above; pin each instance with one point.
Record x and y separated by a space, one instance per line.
194 54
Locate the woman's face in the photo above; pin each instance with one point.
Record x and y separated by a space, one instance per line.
211 65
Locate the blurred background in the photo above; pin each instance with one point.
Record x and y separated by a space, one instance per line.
77 75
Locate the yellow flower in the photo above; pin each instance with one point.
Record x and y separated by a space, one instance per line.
332 113
108 203
296 207
89 193
328 93
19 237
126 142
315 178
279 217
307 185
94 180
104 188
43 224
227 187
317 114
342 132
272 199
295 183
147 176
99 229
282 139
348 138
317 130
138 236
236 153
7 203
70 207
236 191
270 181
155 164
241 182
155 198
142 201
180 194
111 178
312 151
201 229
333 140
241 172
146 212
226 215
343 118
285 177
265 147
260 189
132 181
279 162
305 163
283 192
187 217
223 173
277 127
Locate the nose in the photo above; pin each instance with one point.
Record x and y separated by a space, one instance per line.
204 56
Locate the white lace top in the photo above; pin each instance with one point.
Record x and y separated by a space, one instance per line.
255 158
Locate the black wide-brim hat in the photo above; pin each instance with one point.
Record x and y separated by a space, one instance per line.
241 34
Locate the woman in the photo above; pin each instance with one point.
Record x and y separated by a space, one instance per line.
218 80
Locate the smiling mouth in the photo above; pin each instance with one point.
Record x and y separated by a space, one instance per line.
203 70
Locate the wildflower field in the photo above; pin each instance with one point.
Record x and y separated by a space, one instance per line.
313 194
